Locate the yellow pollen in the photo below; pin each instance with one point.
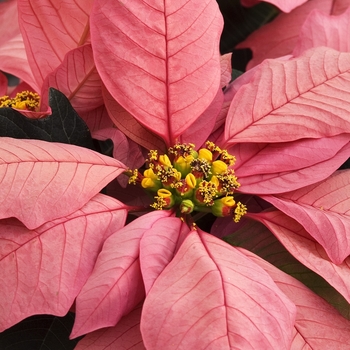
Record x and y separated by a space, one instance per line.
240 210
133 177
25 100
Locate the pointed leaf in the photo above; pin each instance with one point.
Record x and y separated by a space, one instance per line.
304 248
229 302
43 270
282 167
163 66
42 181
317 324
323 209
51 30
77 78
158 247
115 286
311 100
321 29
125 335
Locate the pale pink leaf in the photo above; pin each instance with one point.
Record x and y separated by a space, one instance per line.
77 78
305 249
125 335
317 325
51 29
258 239
97 118
199 131
323 209
283 5
130 126
42 181
279 37
211 296
164 65
282 167
115 286
321 29
340 6
158 247
305 97
43 270
226 69
13 57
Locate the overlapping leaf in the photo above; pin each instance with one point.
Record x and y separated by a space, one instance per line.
42 181
282 167
43 270
226 301
279 37
163 66
317 324
125 335
77 78
305 249
305 97
50 30
258 239
321 29
323 209
130 126
116 285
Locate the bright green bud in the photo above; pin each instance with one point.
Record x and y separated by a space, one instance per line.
186 206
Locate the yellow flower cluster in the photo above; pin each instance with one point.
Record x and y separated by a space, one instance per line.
191 180
25 100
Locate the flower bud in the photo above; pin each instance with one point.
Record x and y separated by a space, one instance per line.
164 160
218 167
223 206
186 206
204 153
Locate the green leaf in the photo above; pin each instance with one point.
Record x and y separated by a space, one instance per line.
63 125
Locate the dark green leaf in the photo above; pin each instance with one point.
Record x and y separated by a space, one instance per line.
63 125
241 21
40 332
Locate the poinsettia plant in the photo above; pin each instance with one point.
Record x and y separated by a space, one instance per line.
165 191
